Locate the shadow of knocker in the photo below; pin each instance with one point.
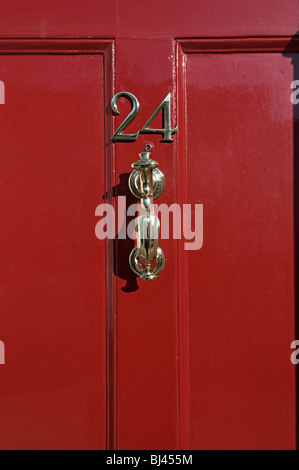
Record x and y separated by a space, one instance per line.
123 243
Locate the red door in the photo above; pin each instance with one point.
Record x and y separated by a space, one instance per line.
96 358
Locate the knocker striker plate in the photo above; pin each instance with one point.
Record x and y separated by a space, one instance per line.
139 271
158 183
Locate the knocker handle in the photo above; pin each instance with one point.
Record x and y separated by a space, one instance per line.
147 183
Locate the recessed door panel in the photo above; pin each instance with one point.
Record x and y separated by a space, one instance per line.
240 296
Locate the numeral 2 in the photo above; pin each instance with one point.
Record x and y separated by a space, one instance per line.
165 107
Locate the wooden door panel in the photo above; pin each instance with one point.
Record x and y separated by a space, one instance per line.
240 293
96 358
136 19
53 319
146 312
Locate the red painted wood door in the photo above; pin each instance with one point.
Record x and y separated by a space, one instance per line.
200 358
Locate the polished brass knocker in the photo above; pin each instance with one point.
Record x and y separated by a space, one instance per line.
147 183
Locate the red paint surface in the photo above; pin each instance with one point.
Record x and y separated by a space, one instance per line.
199 358
53 385
132 18
240 303
147 313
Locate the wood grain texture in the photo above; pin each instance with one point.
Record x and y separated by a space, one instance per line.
53 288
134 18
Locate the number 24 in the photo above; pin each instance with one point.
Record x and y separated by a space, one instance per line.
164 106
